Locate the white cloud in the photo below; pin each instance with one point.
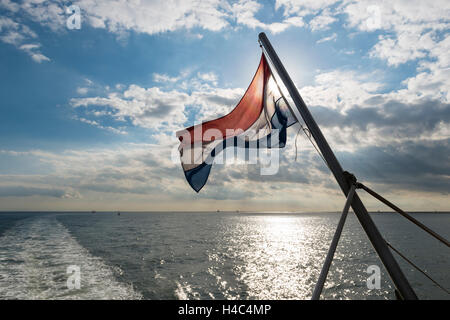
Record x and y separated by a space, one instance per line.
157 77
208 77
157 109
14 33
155 16
333 37
32 50
416 113
322 21
18 35
303 7
38 57
341 89
152 17
405 47
98 125
9 5
119 16
397 15
412 26
150 108
163 108
48 13
82 91
244 12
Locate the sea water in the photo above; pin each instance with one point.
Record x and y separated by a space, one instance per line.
210 255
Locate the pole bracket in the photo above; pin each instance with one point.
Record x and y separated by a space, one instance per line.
350 178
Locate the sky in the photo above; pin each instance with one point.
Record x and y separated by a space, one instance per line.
92 93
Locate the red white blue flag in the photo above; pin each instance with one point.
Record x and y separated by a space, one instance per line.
258 121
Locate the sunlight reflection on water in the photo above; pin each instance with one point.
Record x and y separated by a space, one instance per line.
280 257
277 254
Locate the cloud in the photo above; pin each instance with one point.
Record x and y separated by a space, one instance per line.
48 13
31 50
208 77
98 125
148 108
118 16
155 16
333 37
354 110
244 11
164 78
14 33
9 5
304 7
19 35
411 30
433 77
341 89
82 90
412 27
152 17
388 121
401 15
165 108
21 191
414 166
322 21
138 170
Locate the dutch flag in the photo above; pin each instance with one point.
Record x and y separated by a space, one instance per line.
258 121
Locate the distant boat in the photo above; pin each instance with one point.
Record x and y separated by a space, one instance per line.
218 210
118 213
93 211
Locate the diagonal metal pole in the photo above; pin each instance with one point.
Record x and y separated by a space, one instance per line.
301 111
326 266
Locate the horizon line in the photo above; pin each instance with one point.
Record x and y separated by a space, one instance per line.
202 211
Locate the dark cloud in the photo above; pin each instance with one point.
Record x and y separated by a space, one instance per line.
20 191
226 193
108 175
286 173
421 166
159 110
417 163
405 119
112 188
225 101
414 164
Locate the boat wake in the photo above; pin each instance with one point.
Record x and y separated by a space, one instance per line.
34 259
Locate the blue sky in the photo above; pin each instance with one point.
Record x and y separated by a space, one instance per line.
89 115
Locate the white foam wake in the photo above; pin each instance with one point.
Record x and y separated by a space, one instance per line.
34 256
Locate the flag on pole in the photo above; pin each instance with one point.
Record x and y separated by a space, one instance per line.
258 121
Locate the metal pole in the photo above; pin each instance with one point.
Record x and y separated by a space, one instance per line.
333 246
396 274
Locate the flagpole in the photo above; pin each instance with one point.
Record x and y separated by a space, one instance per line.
379 244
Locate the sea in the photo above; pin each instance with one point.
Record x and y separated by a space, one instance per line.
211 255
